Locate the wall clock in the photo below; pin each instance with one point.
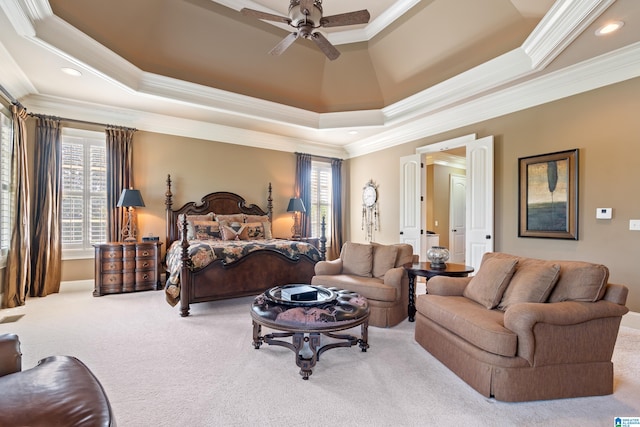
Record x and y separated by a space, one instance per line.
370 209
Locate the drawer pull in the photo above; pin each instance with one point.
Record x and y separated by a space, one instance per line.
145 253
145 264
146 276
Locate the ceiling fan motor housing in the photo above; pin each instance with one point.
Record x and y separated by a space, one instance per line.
299 18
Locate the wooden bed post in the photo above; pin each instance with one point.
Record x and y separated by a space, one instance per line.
168 203
323 239
270 205
186 270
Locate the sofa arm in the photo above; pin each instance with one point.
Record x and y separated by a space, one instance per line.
10 356
565 332
398 278
328 268
447 286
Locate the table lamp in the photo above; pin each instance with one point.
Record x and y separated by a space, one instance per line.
296 206
130 199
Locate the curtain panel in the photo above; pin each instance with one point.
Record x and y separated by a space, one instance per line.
333 251
303 189
119 176
46 244
17 274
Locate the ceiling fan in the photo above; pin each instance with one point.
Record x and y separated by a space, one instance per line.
305 16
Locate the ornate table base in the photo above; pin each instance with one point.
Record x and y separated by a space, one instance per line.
306 346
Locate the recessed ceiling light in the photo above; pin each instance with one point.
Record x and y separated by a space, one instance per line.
71 71
353 132
609 28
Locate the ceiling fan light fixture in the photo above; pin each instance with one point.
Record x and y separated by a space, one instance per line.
609 28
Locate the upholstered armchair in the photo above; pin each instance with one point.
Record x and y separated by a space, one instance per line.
374 271
60 390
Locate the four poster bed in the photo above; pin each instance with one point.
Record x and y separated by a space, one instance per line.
221 248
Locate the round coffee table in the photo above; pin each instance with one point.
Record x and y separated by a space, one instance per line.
334 310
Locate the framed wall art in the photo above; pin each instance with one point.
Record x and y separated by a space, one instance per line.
548 186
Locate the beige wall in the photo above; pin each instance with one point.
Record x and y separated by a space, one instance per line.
602 123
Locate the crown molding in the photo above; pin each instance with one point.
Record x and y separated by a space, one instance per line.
607 69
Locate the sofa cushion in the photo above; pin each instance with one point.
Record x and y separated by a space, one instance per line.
470 321
384 259
492 278
369 287
405 254
532 281
580 281
357 259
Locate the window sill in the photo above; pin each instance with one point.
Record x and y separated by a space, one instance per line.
74 254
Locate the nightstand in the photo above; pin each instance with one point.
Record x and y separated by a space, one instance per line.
126 267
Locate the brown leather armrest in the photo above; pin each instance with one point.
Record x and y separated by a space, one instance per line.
10 356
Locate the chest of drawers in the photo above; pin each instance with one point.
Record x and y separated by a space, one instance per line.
126 267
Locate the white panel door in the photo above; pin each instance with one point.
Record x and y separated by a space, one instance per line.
479 200
457 218
410 202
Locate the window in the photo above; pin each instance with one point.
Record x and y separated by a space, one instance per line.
6 148
84 192
320 199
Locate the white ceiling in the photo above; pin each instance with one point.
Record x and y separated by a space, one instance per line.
561 57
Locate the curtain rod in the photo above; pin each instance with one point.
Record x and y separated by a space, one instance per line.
321 157
8 96
65 119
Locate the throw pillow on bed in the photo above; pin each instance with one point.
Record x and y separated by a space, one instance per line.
191 233
207 230
231 233
493 276
231 218
255 230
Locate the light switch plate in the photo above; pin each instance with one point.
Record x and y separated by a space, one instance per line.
634 224
603 213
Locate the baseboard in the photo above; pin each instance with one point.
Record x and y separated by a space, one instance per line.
76 285
631 320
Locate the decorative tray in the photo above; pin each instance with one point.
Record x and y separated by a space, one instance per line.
324 296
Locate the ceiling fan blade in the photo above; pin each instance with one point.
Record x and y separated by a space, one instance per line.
349 18
325 46
284 44
264 15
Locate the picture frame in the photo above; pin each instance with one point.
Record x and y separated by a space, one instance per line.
548 195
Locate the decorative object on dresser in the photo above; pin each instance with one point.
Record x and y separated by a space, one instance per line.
130 198
370 209
296 206
127 267
220 248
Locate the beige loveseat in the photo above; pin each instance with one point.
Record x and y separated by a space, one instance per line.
374 271
525 329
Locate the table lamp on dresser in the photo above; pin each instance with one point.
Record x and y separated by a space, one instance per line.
130 198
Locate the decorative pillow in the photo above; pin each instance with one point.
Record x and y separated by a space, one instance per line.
229 233
532 281
253 231
580 281
191 234
256 218
231 218
493 276
207 230
384 259
357 259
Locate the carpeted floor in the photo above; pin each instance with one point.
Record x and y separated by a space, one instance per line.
162 370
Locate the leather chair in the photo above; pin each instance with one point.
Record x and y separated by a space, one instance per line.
59 391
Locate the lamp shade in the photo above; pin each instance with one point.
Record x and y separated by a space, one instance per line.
296 205
130 198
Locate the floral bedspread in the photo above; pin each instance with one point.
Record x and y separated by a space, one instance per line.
203 252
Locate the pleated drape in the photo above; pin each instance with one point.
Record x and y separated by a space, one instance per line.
333 251
17 274
303 189
119 176
46 244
